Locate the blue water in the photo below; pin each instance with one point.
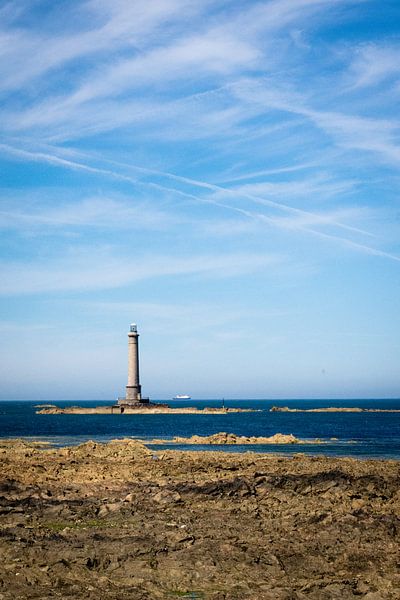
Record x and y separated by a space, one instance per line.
374 435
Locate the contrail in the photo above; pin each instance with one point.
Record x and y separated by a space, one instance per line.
256 199
44 157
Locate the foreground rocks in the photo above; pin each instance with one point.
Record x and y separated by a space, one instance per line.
117 521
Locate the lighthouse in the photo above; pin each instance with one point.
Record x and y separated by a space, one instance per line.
133 389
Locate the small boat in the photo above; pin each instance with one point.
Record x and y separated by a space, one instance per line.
181 397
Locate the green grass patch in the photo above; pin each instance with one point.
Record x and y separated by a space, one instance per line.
190 595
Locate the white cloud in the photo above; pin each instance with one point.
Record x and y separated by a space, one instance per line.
222 197
320 185
188 58
134 56
352 131
90 212
234 132
33 53
373 64
98 270
214 47
327 218
266 172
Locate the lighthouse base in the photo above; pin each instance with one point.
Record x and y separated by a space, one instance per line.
129 406
135 403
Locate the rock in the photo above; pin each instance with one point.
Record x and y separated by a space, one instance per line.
224 438
129 498
106 509
167 497
223 525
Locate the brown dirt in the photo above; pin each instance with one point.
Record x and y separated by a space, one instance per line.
116 521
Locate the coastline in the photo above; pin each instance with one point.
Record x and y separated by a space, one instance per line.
123 521
363 435
52 409
128 410
333 409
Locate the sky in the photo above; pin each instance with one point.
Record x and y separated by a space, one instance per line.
223 173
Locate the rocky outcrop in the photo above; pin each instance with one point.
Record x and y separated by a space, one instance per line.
140 409
118 521
333 409
223 438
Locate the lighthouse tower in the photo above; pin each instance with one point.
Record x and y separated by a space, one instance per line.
133 389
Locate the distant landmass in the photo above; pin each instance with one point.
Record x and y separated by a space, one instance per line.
333 409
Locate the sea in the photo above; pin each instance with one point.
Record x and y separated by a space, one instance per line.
360 435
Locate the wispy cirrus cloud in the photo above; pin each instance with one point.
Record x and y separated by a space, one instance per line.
220 49
352 131
268 172
294 219
191 164
218 195
85 271
30 54
373 64
97 212
320 185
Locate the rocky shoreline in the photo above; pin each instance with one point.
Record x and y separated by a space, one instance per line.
223 438
120 521
328 409
52 409
155 409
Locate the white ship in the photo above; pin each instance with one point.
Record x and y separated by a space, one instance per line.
181 397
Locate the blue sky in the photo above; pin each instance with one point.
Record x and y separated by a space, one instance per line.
223 173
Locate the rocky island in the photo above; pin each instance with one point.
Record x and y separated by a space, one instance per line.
223 438
343 409
150 408
119 521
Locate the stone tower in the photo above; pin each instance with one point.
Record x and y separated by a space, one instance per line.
133 389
